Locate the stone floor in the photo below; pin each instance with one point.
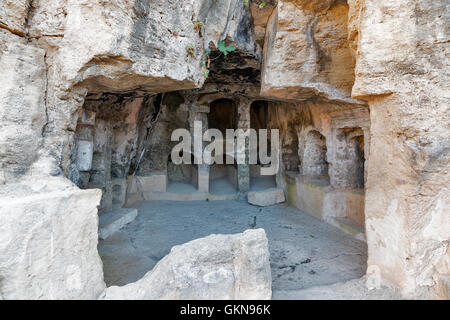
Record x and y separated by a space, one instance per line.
305 252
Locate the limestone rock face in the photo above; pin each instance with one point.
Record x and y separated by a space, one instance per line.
261 17
402 70
216 267
123 46
48 244
319 57
22 102
13 15
127 45
306 52
354 8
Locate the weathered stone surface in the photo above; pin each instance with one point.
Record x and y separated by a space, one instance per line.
402 70
306 52
153 183
47 19
142 44
354 9
261 17
13 15
216 267
110 222
84 155
56 55
48 244
267 197
22 102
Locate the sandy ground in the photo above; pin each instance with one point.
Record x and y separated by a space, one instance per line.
305 252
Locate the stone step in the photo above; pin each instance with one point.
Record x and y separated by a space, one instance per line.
194 196
268 197
350 227
112 221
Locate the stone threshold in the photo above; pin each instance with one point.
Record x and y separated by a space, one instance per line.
112 221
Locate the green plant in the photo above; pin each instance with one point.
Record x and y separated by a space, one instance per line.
261 5
199 26
206 59
225 49
190 51
206 62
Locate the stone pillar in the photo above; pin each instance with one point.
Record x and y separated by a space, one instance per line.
243 122
100 176
200 113
85 140
83 149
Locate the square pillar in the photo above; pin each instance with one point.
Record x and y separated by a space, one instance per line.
203 178
199 113
243 122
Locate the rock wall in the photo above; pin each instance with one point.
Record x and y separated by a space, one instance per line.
306 52
321 170
402 71
22 103
326 61
123 46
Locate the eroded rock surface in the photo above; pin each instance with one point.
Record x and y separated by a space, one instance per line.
48 243
358 89
218 267
402 70
306 52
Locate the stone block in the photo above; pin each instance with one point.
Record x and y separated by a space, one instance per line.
267 197
203 180
111 222
84 155
218 267
48 245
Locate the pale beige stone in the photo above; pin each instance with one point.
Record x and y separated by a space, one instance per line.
13 15
218 267
306 53
48 245
22 102
402 70
111 222
267 197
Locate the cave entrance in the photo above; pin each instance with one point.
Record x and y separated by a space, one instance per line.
105 144
259 118
223 178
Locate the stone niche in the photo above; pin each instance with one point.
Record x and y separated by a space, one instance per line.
328 144
259 113
106 143
222 116
315 155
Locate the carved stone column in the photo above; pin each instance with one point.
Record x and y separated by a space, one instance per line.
243 122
